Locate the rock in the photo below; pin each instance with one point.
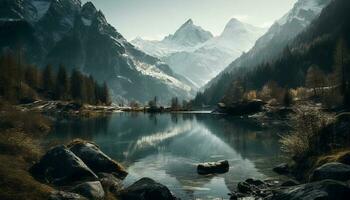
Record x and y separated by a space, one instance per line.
241 108
90 190
289 183
60 195
146 189
325 190
110 182
96 160
213 167
254 182
281 168
334 170
254 189
345 159
60 166
244 187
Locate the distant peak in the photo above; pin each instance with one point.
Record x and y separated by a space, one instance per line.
89 6
189 22
234 22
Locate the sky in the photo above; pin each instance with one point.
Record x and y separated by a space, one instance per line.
154 19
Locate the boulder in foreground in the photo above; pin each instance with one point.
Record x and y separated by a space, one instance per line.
146 189
333 170
90 190
95 159
325 190
213 167
60 166
60 195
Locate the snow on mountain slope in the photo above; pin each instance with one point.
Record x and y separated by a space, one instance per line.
79 37
202 57
270 46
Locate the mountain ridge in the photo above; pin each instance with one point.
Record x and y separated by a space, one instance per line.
205 60
79 37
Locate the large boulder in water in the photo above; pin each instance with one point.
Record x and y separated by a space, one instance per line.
96 160
213 167
91 190
241 108
325 190
60 166
146 189
333 170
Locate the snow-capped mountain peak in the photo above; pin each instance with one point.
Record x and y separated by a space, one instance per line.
189 34
235 27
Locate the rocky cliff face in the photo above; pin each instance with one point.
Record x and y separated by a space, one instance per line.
79 37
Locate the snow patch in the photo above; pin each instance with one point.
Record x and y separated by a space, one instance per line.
86 22
41 8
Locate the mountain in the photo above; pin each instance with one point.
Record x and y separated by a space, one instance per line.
268 47
202 60
79 37
187 38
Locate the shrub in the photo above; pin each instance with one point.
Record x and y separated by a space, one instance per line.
308 136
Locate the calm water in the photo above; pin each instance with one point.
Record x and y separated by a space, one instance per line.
167 147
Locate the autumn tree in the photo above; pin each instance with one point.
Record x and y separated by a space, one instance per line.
315 79
235 93
62 84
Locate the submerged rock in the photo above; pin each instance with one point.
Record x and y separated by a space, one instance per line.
96 160
326 189
146 189
90 190
213 167
334 170
60 166
60 195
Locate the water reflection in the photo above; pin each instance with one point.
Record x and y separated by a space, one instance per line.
167 148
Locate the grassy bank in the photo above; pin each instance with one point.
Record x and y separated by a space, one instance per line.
20 147
317 138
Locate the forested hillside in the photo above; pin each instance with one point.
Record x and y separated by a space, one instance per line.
24 83
323 45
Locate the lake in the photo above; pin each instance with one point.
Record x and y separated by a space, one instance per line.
167 147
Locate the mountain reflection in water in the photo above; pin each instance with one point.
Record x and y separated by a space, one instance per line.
167 147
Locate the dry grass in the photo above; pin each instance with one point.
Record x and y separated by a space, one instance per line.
307 136
340 155
16 183
20 134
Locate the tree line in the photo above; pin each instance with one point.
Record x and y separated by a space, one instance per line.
23 83
328 77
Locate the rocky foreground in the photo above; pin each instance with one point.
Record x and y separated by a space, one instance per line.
82 171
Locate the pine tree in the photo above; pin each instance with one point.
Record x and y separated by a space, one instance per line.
105 94
90 90
32 77
77 89
48 83
62 84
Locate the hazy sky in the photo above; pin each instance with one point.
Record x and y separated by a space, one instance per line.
154 19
